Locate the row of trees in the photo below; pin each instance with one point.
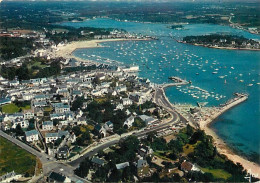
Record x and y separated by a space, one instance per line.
24 73
12 47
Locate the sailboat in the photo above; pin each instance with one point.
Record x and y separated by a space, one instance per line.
225 81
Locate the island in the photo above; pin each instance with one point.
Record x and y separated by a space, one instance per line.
177 27
221 41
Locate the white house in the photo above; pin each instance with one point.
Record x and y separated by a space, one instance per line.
23 123
27 96
121 88
127 101
57 116
63 108
28 114
129 121
109 126
47 125
31 136
81 121
52 137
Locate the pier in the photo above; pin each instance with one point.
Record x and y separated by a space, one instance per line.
240 97
177 82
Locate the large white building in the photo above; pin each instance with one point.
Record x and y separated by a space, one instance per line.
23 123
52 137
31 136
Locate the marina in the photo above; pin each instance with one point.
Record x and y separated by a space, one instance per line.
160 59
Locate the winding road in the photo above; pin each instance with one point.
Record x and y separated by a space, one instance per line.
50 164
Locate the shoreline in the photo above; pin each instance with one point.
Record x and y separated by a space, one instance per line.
66 52
221 48
223 148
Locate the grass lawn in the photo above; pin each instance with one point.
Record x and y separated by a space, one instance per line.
14 158
189 148
26 107
160 155
37 64
12 108
217 173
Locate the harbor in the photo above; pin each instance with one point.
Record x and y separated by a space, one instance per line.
215 74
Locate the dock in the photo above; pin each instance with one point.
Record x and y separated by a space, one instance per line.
239 98
177 82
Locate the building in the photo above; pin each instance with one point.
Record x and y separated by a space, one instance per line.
10 177
127 101
62 108
81 121
98 162
4 101
47 125
23 123
31 136
57 177
100 130
109 126
147 119
129 121
141 163
52 137
122 165
63 153
187 167
28 114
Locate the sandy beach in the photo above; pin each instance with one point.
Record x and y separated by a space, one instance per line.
66 50
222 146
224 149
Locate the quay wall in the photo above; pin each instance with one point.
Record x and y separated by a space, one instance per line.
222 110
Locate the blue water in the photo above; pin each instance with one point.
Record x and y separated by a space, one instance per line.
159 59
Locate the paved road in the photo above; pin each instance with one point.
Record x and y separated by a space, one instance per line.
160 99
67 168
48 164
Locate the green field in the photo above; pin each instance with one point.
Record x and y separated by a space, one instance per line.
14 158
12 108
217 173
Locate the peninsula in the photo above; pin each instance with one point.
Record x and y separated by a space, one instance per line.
221 41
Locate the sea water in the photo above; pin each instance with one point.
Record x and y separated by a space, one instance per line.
219 73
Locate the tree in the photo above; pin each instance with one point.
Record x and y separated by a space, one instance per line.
77 103
139 123
130 143
55 122
23 72
76 130
115 176
189 130
19 131
83 169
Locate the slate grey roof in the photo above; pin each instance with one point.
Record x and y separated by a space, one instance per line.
98 161
32 132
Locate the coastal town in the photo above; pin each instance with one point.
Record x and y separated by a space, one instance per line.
222 42
65 118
